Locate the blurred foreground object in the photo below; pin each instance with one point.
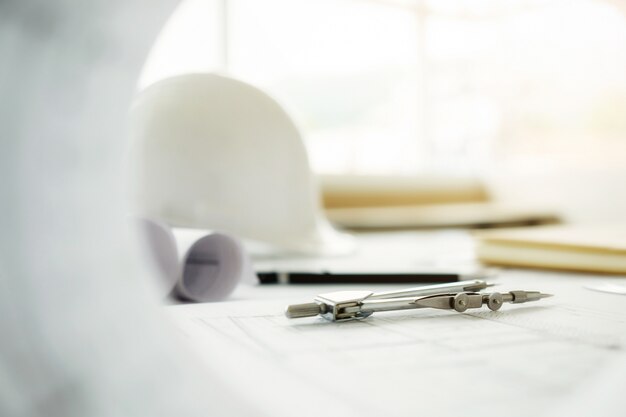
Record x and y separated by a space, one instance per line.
215 153
82 332
575 248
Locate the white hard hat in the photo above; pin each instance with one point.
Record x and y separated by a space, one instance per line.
216 153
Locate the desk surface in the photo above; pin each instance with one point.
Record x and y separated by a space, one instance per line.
566 354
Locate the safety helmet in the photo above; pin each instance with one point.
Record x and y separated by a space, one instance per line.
216 153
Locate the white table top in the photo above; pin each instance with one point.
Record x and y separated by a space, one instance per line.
562 354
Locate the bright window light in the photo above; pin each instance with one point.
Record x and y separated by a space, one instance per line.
432 86
346 69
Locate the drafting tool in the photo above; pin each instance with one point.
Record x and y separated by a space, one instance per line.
350 305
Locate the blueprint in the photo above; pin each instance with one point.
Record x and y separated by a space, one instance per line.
425 361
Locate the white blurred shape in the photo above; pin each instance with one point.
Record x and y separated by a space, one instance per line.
82 332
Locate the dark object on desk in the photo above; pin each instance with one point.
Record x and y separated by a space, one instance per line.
357 278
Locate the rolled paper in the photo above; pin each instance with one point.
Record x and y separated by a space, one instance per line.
194 265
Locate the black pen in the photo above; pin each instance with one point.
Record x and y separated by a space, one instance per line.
326 277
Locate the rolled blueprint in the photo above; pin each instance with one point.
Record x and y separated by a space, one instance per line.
192 264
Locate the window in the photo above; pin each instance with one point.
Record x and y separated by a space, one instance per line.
408 87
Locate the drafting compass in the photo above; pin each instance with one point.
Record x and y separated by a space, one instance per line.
458 296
